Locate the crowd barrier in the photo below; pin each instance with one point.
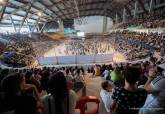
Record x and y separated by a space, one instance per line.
77 59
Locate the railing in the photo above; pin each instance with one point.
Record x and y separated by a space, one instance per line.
77 59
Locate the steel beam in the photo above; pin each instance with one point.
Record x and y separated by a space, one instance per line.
28 17
124 15
3 9
82 6
28 25
46 6
61 26
106 5
56 5
85 10
15 11
26 2
35 24
142 6
128 10
94 14
13 23
116 19
135 10
24 18
71 7
49 26
151 6
104 24
43 27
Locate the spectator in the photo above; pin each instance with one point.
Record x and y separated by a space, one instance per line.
3 73
97 70
44 80
116 77
13 100
106 74
155 85
68 76
123 99
105 94
79 81
31 80
59 101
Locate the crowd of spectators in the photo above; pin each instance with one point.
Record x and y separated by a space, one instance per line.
101 45
134 88
54 89
25 48
151 20
138 45
133 45
29 91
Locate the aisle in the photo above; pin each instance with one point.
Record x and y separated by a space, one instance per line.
93 87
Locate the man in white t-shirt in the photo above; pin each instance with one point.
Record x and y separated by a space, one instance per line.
105 94
155 102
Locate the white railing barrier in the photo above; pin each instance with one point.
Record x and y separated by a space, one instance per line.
77 59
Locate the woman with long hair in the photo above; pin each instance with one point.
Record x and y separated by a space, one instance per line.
60 100
13 99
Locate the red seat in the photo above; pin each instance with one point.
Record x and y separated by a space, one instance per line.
81 104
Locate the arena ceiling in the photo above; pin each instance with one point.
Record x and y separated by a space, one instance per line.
23 12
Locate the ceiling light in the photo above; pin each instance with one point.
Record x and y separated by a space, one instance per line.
39 14
2 1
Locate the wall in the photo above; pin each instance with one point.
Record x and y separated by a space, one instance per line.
94 24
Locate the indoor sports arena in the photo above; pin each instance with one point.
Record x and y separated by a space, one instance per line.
82 56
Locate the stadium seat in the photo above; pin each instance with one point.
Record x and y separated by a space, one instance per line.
81 104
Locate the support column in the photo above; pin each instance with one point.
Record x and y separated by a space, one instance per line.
135 10
13 23
117 19
28 25
61 26
104 24
36 24
124 15
142 6
151 6
38 27
43 27
48 26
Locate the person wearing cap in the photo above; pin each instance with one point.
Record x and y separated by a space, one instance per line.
155 86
